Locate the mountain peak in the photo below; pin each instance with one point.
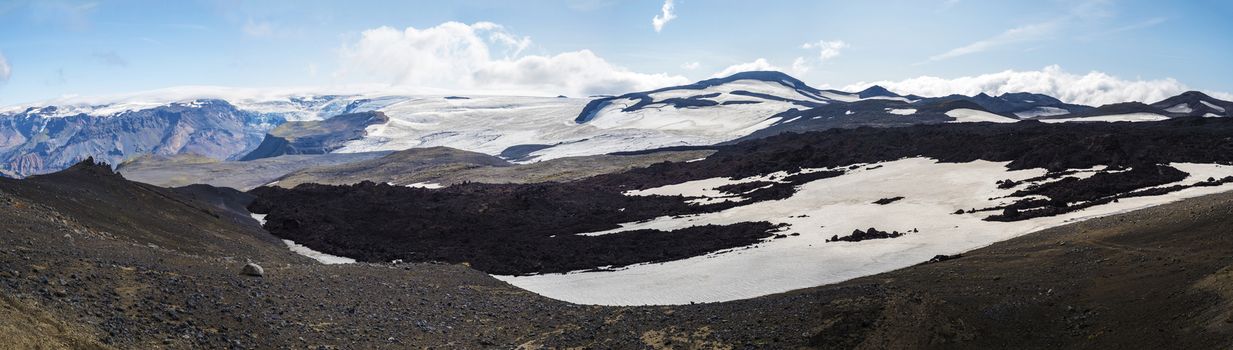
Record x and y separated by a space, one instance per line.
876 91
89 165
1197 95
764 75
1193 99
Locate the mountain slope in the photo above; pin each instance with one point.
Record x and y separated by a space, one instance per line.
184 170
1126 111
440 166
315 137
399 167
32 142
1195 104
103 203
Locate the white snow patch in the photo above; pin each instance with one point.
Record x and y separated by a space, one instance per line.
1211 115
259 217
306 251
696 160
1131 117
965 115
1213 106
827 207
428 185
316 255
1180 108
1041 112
901 111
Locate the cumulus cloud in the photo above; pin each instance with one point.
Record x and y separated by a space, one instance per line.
691 65
458 56
666 15
828 49
758 64
1093 88
800 66
5 70
1021 34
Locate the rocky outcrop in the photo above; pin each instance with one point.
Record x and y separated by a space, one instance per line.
315 137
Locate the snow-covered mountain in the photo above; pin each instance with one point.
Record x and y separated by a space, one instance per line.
230 123
525 128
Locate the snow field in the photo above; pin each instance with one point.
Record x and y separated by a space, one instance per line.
833 206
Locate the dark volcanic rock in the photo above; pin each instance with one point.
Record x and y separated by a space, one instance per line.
871 233
501 229
885 201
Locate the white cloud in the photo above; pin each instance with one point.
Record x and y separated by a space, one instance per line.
458 56
664 17
829 49
691 65
5 70
758 64
1025 33
1093 88
800 66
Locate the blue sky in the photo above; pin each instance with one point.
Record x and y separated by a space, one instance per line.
54 48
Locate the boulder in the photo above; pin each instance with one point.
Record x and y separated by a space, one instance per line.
251 269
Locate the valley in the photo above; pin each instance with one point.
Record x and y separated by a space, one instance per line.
1083 284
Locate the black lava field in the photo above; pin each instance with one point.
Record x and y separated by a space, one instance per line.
531 228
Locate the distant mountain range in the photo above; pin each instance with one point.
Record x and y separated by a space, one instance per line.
41 138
